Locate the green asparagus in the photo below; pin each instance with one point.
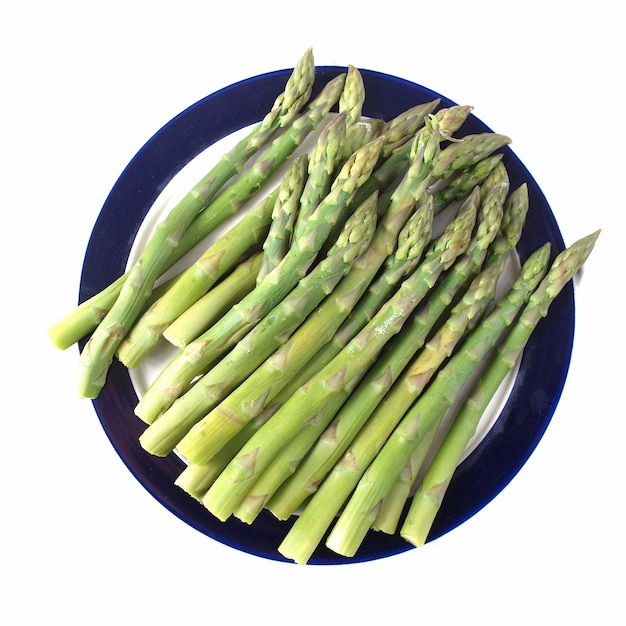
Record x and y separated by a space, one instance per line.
147 334
366 398
372 388
264 338
201 353
428 410
339 376
263 384
208 309
166 246
428 498
336 488
101 347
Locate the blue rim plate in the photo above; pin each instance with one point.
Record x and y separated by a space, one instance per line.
482 475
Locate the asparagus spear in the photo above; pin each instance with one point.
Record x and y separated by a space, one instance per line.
208 309
425 149
146 333
328 153
494 188
377 381
274 329
428 411
408 253
310 528
261 386
294 359
101 347
88 315
391 508
388 517
200 276
195 357
401 132
200 354
428 498
400 129
362 132
338 376
294 199
198 478
351 104
284 215
353 97
366 398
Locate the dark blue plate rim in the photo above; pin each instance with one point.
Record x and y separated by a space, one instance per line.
487 470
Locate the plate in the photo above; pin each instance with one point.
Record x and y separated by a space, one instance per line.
483 474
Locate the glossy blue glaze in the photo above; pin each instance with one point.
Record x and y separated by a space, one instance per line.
480 477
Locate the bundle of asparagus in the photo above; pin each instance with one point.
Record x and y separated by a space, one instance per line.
325 335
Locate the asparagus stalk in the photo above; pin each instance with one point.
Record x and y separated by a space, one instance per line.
146 333
365 400
516 208
264 338
296 191
253 308
391 508
338 376
310 528
408 253
298 358
284 215
362 132
353 97
429 496
401 132
513 220
376 383
208 309
219 258
201 275
198 478
351 103
197 356
370 393
428 411
330 148
101 347
494 189
259 389
351 287
89 314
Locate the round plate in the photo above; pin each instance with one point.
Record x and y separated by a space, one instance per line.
481 476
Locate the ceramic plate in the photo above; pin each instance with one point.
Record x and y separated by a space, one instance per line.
176 149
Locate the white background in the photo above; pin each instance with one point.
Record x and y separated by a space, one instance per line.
83 89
